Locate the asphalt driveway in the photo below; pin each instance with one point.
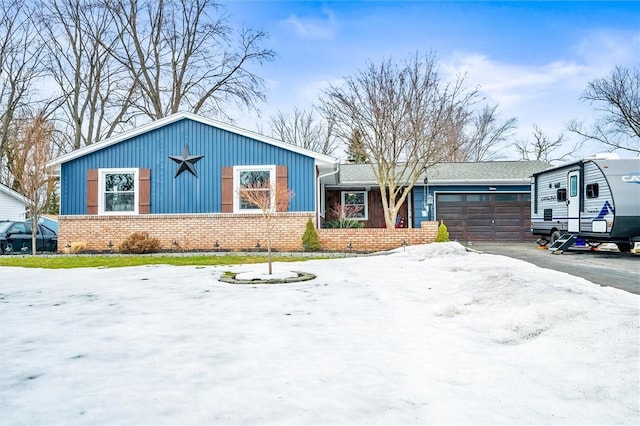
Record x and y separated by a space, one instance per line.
606 268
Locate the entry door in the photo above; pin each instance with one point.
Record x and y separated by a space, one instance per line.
573 201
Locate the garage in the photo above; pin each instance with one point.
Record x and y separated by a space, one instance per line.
498 216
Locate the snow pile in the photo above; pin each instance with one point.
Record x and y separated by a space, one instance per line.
425 335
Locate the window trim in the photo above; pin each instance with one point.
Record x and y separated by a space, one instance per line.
271 168
365 207
101 192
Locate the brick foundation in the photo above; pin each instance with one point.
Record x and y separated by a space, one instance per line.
233 232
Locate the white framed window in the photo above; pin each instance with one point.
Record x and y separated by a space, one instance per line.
252 178
355 205
118 191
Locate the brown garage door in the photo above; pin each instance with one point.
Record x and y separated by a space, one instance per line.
486 217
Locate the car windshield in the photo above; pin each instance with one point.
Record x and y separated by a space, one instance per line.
4 226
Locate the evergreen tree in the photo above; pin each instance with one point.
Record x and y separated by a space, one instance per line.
443 233
310 240
356 152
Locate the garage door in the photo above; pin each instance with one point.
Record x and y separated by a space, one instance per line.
486 217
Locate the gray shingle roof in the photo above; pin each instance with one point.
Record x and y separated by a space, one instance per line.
453 173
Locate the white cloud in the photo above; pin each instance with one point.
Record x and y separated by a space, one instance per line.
511 84
547 94
603 49
313 28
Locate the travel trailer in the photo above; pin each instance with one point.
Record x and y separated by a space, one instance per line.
595 200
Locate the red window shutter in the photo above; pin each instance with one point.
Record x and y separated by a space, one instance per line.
92 191
282 186
227 190
144 189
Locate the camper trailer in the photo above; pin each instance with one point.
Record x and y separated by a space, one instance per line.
595 200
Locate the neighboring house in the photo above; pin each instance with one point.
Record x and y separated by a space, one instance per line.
480 201
13 206
179 178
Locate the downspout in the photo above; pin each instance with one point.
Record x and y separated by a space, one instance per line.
320 193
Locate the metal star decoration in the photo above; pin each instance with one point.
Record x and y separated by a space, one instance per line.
187 161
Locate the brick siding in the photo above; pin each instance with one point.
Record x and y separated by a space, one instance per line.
232 232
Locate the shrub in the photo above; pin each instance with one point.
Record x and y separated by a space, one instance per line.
75 247
310 238
344 223
140 243
443 233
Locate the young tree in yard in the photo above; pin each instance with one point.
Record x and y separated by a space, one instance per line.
402 112
306 130
616 99
269 199
36 142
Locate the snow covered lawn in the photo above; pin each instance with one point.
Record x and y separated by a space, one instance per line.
428 335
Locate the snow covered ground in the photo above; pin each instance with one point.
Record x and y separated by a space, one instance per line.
428 335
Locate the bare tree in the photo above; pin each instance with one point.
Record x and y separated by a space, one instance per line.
181 57
270 199
485 135
616 99
542 147
34 143
401 112
95 92
306 130
20 66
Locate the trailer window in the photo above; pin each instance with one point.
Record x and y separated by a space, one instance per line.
573 183
593 190
561 195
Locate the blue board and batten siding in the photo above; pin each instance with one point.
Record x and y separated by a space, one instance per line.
419 193
186 193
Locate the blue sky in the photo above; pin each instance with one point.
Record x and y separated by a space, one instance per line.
532 58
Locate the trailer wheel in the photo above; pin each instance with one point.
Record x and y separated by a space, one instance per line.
555 235
624 247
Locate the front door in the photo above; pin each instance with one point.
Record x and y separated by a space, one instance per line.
573 201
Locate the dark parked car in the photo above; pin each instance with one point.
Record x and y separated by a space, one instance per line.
15 237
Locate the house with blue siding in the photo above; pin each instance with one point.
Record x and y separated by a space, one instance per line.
164 174
180 179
